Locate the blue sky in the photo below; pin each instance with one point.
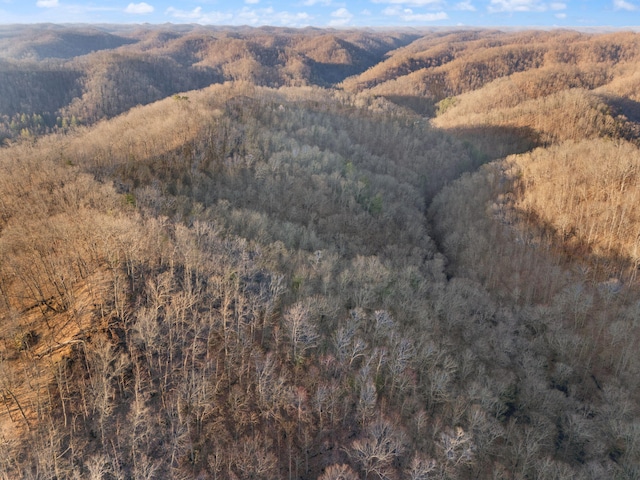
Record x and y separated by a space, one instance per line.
335 13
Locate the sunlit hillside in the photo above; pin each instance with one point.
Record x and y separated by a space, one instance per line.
237 253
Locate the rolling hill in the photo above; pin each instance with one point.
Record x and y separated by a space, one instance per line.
318 254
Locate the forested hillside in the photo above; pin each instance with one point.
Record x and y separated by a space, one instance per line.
66 74
309 254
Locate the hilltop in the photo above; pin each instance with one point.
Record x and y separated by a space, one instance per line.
318 254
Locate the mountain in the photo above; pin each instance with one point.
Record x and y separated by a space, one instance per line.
92 73
319 254
43 42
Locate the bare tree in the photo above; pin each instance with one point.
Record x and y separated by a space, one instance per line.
379 447
339 472
300 329
256 461
422 468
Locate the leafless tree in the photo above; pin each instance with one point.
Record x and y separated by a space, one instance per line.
378 448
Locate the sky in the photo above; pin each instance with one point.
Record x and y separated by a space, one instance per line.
331 13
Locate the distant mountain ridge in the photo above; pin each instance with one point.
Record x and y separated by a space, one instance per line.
117 68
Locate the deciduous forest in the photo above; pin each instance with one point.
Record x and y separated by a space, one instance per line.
236 253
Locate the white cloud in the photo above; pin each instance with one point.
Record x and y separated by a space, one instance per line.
182 14
408 15
527 6
624 5
517 6
251 2
139 8
251 17
311 3
392 11
196 15
47 3
414 3
246 16
465 6
561 16
340 17
268 16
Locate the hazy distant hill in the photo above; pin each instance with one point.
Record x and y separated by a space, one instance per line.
50 41
443 65
129 66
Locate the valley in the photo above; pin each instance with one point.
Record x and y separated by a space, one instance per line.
318 254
